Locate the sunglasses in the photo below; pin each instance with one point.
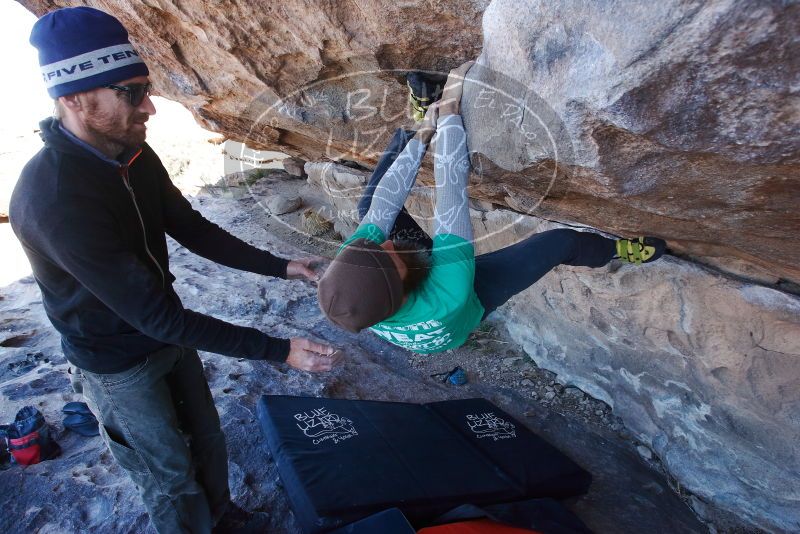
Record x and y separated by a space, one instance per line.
135 91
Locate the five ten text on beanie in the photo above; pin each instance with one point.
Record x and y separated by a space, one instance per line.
82 48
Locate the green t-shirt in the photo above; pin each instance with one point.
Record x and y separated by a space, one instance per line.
441 313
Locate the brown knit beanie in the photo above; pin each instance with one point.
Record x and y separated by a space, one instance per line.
361 287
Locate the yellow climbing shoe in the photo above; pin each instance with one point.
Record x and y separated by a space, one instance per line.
641 249
423 90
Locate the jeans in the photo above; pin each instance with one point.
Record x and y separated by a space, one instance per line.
501 274
147 414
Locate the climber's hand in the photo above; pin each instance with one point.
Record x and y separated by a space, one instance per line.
428 126
305 268
450 104
308 355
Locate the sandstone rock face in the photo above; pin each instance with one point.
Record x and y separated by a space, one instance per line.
342 187
280 204
678 119
704 369
294 166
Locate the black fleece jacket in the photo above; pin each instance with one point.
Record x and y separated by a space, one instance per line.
93 230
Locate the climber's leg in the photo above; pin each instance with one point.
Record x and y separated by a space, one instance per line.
501 274
405 227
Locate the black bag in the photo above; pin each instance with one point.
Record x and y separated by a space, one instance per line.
29 440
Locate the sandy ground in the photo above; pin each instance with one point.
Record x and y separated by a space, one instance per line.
85 491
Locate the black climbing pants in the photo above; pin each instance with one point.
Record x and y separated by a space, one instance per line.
501 274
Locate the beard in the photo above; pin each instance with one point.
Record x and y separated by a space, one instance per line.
116 131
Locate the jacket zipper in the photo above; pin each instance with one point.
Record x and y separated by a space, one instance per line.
123 170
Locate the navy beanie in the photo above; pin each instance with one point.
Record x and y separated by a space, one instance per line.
82 48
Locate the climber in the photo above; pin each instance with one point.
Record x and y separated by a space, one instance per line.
427 295
91 210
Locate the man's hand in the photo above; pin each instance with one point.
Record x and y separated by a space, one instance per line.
308 355
450 104
304 269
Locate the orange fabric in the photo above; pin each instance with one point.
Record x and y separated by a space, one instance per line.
133 158
477 526
26 450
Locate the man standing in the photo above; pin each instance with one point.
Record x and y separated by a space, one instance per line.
91 210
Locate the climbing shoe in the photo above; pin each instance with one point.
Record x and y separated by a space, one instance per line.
641 249
424 90
80 419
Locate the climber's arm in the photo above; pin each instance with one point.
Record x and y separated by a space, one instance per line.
451 169
396 184
451 162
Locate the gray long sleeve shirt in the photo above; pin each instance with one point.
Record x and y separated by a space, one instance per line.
451 170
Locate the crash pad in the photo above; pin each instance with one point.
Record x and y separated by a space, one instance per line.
343 460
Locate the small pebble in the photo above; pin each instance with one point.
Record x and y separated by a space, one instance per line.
550 395
294 167
280 204
528 382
